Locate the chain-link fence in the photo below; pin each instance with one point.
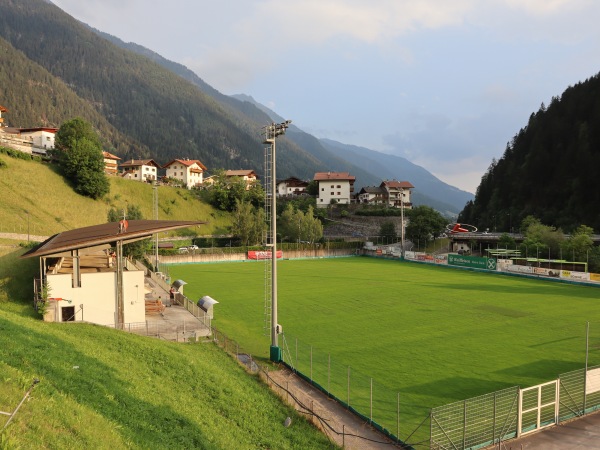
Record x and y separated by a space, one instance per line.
469 424
370 399
482 420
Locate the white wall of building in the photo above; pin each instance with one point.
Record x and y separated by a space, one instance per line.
338 190
95 300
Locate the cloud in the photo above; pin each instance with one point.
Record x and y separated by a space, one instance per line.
373 22
547 7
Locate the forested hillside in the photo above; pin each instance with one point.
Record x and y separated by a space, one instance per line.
163 115
144 106
549 169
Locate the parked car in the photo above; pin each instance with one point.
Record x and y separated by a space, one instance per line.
193 247
183 250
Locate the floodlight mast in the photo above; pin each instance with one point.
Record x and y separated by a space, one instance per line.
271 132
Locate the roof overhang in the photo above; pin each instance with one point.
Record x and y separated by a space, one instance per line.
106 234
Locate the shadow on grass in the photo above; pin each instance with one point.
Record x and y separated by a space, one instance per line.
457 388
97 387
16 279
543 366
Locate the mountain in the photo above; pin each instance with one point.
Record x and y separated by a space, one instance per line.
549 169
431 191
147 106
162 115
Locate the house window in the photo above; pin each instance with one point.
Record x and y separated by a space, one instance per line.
332 186
339 193
339 186
333 193
322 189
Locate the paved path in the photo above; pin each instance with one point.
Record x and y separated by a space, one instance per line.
577 434
23 237
343 427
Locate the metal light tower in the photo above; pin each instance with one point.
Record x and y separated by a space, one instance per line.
271 132
402 223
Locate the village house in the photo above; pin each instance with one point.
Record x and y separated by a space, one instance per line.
2 110
189 171
111 163
372 195
334 187
140 170
397 193
249 176
291 186
28 140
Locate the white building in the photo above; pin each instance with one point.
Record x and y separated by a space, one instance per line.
334 187
40 138
111 163
140 170
397 193
291 186
249 176
85 281
189 171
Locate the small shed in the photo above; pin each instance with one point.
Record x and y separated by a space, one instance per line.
206 303
178 286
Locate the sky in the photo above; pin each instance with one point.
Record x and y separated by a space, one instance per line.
445 84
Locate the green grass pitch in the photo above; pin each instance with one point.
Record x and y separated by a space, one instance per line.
424 334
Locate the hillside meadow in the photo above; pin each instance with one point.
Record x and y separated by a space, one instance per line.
37 198
430 335
106 389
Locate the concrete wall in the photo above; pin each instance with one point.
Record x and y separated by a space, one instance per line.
287 254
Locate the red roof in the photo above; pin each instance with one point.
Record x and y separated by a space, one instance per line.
398 184
30 130
139 163
109 156
186 162
324 176
3 109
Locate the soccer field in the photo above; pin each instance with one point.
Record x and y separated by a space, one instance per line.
428 335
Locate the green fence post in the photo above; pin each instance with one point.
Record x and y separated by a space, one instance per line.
371 401
348 387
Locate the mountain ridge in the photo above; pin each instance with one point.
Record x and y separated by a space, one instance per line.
148 106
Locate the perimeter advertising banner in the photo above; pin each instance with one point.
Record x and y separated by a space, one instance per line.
474 262
263 255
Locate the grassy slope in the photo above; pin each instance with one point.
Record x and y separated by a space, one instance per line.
102 388
434 335
127 391
53 206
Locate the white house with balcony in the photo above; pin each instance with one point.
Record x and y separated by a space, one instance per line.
249 176
397 193
291 186
111 163
41 138
334 187
189 171
145 170
372 195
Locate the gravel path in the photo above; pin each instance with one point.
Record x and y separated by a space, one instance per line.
342 426
23 237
